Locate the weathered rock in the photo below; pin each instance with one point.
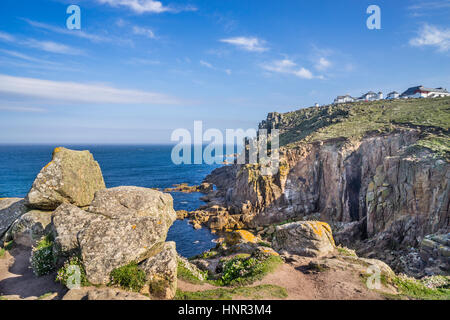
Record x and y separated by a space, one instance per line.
10 210
182 214
124 202
192 268
71 177
240 236
161 272
68 220
93 293
30 227
305 238
110 243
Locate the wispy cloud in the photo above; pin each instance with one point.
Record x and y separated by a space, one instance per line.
140 61
53 47
48 46
432 36
144 32
146 6
6 37
76 33
247 43
206 64
323 64
26 57
287 66
430 5
22 109
210 66
79 92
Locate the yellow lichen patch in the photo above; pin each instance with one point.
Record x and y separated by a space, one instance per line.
58 149
247 236
133 227
270 251
48 164
317 228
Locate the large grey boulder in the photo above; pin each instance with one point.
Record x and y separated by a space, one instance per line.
161 272
124 202
304 238
71 177
68 221
30 227
10 210
112 243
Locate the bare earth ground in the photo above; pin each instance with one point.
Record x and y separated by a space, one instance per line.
326 285
17 278
18 281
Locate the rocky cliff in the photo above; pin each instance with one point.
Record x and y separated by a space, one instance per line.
375 171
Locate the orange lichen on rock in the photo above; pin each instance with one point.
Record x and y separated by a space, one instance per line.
318 227
247 236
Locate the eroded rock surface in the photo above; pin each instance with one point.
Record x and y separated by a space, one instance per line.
71 177
306 238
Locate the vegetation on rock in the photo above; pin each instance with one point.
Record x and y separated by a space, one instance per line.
128 277
42 259
245 269
68 274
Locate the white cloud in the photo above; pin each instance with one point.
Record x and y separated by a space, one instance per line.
248 44
76 33
144 32
53 47
48 46
6 37
22 109
432 36
146 6
287 66
323 64
206 64
60 91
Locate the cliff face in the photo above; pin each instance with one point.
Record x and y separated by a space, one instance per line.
385 179
371 180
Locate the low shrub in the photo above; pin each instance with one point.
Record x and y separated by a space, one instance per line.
242 270
72 274
417 289
129 277
42 259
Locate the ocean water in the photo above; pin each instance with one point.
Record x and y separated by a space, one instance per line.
142 166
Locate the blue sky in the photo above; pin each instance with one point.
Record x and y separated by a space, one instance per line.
138 69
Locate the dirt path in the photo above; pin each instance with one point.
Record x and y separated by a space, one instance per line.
302 285
17 278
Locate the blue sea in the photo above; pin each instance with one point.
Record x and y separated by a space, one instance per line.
143 166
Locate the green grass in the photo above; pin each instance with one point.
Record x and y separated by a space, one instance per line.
346 251
257 292
128 277
240 270
416 289
353 121
45 295
6 247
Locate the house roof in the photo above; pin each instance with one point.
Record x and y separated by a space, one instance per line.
413 90
393 92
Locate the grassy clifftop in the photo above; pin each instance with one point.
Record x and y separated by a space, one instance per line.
355 120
